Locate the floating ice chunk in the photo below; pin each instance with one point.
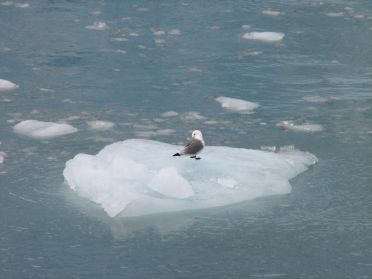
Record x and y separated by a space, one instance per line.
268 148
316 99
159 32
270 13
334 14
43 130
95 13
98 26
100 125
120 39
6 85
2 157
246 26
140 177
120 51
170 113
174 32
22 5
193 115
264 36
237 105
15 4
305 127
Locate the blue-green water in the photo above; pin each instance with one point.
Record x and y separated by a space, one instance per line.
322 229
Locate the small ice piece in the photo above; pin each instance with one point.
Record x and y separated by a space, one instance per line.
268 148
43 130
193 115
237 105
141 177
46 90
2 157
134 34
159 33
6 85
306 127
270 13
169 182
334 14
120 39
121 51
15 4
97 26
316 99
22 5
174 32
7 3
270 37
100 125
95 13
170 113
246 26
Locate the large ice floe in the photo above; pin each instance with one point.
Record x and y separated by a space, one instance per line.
43 130
140 177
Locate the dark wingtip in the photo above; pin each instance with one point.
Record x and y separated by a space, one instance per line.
177 154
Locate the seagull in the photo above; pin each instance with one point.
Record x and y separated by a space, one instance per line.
193 146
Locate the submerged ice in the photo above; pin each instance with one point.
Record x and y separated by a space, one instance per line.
140 177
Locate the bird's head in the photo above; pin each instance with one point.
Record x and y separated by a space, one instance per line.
197 135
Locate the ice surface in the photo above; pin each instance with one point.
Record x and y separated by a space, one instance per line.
43 130
264 36
6 85
305 127
237 105
141 177
100 125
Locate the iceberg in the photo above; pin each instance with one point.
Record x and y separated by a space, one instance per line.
43 130
141 177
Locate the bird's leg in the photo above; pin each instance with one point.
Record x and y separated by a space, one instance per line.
197 158
193 156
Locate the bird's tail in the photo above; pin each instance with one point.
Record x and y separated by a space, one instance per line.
177 154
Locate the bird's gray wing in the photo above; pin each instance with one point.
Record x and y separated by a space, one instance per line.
192 147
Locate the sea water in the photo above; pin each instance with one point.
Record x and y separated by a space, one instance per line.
117 70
